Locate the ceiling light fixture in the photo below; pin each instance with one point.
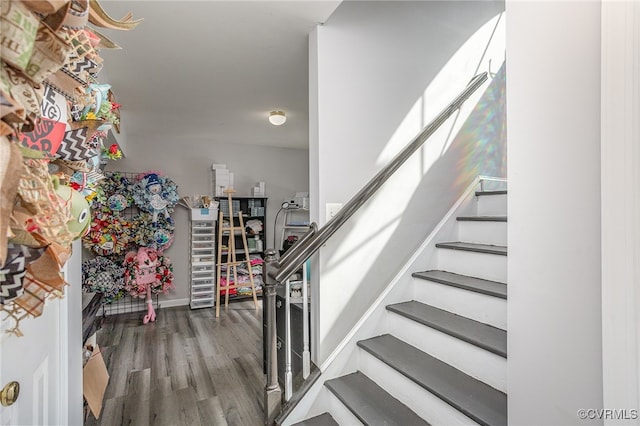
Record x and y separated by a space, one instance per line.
277 118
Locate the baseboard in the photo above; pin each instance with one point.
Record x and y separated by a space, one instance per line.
172 303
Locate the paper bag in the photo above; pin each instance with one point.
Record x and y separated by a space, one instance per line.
94 380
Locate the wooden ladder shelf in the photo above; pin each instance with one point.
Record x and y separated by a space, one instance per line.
232 262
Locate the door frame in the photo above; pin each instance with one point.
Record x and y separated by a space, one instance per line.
620 200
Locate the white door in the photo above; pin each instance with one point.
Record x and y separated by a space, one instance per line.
44 362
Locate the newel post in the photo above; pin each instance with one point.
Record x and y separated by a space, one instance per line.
272 392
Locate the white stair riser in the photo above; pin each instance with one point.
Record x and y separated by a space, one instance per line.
340 413
472 231
421 401
492 205
480 265
476 362
480 307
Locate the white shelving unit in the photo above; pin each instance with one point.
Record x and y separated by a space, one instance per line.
202 245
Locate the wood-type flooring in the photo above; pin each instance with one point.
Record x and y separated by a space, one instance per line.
187 368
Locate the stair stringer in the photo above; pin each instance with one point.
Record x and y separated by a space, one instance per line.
344 359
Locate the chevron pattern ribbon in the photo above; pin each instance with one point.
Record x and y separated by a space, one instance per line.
11 279
84 65
13 272
75 145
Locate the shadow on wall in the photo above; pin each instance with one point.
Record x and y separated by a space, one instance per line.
381 237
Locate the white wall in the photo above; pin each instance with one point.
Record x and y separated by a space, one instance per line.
553 111
285 171
382 71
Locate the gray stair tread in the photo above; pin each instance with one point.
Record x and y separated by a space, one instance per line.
482 218
496 192
491 288
371 404
482 335
323 419
479 248
479 401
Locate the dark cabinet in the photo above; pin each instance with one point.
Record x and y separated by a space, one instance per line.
255 221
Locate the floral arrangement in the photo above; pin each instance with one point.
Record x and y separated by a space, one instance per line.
112 153
164 275
107 112
103 276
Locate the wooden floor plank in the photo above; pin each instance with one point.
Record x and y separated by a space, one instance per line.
187 368
211 413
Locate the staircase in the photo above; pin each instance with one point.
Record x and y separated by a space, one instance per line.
442 359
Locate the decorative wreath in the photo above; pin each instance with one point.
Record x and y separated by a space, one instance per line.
108 235
157 235
145 269
103 276
113 195
156 194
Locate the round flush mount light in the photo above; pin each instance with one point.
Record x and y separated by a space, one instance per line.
277 118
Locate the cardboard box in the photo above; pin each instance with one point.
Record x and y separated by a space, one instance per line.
94 381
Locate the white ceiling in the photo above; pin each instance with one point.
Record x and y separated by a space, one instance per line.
212 70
